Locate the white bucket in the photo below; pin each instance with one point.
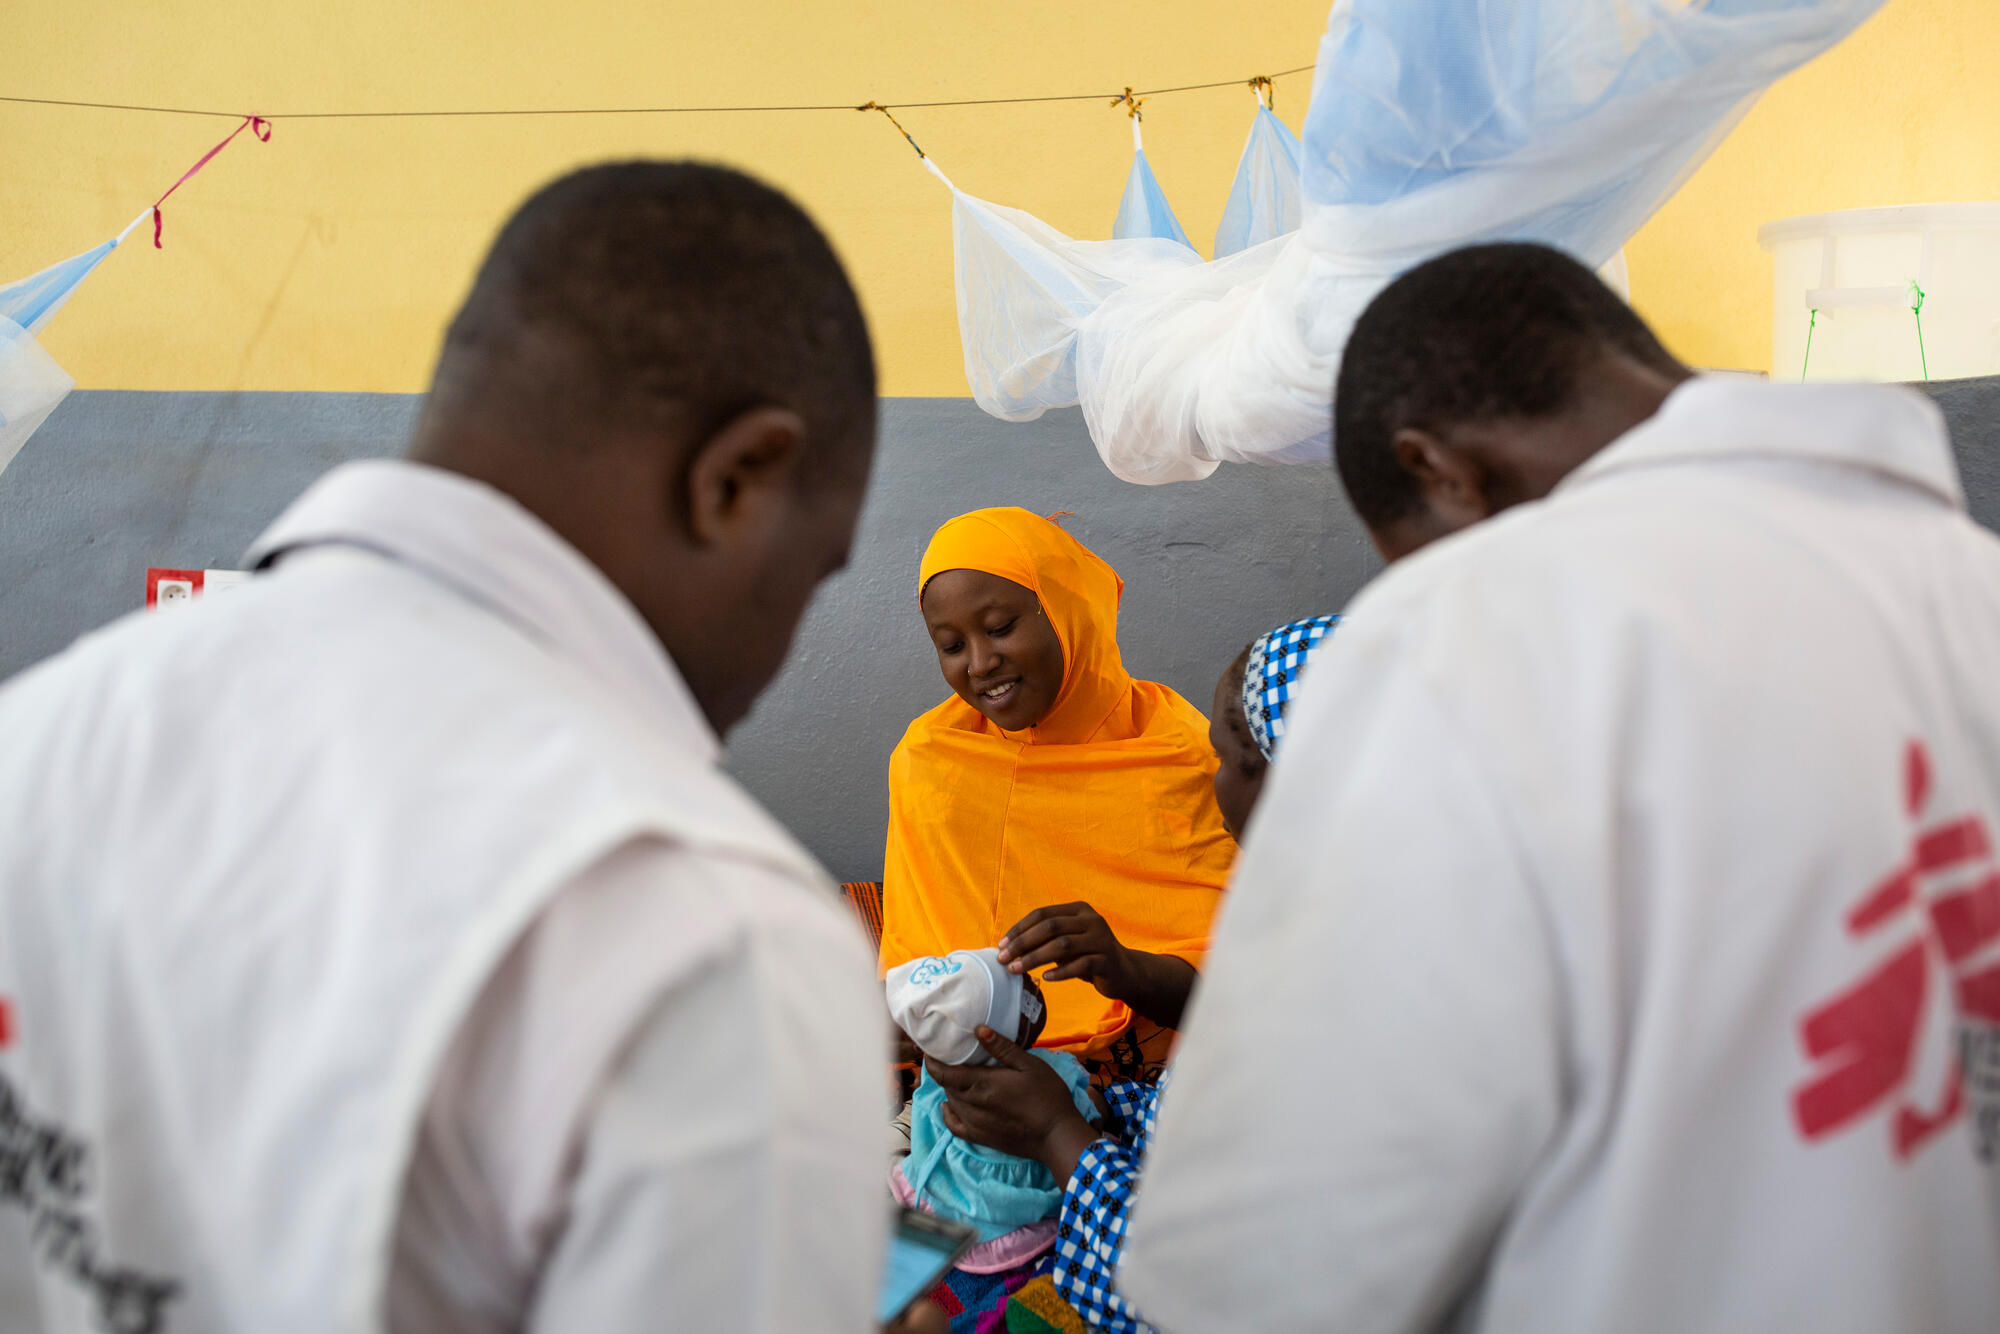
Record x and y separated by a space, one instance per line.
1904 293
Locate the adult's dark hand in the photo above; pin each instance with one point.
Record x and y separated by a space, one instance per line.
922 1318
1080 943
1077 940
1019 1106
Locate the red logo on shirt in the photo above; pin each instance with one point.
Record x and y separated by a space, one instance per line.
1864 1040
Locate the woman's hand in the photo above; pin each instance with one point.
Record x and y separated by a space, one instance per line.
922 1318
1020 1106
1076 938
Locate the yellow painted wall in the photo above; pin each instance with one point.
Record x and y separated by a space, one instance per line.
1906 111
331 257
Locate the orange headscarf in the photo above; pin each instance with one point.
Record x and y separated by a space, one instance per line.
1108 800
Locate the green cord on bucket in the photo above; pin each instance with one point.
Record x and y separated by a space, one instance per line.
1809 332
1917 310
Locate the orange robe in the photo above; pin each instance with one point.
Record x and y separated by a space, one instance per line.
1108 800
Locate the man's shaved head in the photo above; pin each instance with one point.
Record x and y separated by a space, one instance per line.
660 298
1479 380
665 364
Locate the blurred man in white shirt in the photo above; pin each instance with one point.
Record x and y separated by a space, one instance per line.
1618 944
385 947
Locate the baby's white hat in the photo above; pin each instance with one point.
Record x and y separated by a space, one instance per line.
939 1001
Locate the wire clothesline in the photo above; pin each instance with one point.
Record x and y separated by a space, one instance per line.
1109 95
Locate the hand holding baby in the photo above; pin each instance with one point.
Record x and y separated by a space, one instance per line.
1019 1106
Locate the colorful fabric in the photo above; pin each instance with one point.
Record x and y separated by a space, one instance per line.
992 1191
864 897
1108 800
1008 1251
1140 1054
1271 677
1097 1202
1039 1309
977 1303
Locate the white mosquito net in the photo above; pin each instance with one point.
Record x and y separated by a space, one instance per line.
1433 124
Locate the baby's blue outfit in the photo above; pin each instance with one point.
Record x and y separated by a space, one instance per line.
992 1191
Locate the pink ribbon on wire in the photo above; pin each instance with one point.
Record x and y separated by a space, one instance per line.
257 125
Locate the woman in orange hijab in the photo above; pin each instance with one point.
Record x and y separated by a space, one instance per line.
1053 805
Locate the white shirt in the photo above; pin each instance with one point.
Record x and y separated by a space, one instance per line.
1568 981
645 1035
709 1172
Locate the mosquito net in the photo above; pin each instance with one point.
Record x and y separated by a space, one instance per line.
31 383
1265 197
1433 124
1143 209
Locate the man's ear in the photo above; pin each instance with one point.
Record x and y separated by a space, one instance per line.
1452 481
736 476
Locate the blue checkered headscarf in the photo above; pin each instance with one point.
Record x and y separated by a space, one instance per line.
1271 677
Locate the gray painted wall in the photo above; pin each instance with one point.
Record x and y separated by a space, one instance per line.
1207 566
116 482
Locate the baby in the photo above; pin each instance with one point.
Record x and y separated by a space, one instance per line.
1012 1202
940 1001
1248 717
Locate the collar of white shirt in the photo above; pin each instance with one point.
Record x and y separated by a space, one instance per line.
485 546
1883 429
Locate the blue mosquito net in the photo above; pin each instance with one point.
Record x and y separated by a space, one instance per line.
1265 198
1433 124
1143 209
31 383
32 300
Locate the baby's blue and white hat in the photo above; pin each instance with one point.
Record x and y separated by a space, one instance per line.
1271 676
940 1000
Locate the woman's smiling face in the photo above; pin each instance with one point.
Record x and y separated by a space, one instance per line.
997 650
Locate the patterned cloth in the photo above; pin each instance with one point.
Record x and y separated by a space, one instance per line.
865 898
1271 677
1039 1309
1090 1232
1139 1054
977 1303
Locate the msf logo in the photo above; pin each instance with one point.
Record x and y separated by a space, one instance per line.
1942 901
